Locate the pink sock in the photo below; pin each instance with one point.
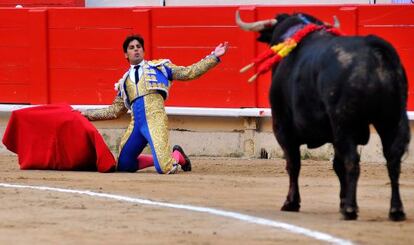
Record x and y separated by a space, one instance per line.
145 161
178 157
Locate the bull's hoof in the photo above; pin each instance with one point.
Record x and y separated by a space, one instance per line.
349 213
290 207
396 214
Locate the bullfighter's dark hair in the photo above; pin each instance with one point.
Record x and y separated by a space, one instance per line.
131 38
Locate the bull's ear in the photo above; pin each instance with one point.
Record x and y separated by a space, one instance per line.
312 19
281 17
265 36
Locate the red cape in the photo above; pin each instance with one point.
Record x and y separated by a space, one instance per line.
56 137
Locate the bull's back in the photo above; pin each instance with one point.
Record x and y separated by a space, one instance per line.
366 77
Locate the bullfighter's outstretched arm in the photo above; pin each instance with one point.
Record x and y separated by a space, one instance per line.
113 111
197 69
193 71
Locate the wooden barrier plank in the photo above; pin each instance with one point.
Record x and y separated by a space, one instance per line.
14 53
13 74
12 37
92 38
245 52
13 18
38 60
109 58
83 18
14 93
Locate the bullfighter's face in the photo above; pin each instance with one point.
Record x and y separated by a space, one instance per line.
135 52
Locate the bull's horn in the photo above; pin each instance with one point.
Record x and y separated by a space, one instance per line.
254 26
336 24
254 77
247 67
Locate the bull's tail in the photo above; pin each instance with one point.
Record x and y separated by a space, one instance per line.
392 62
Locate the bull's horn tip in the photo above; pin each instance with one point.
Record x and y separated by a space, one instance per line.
336 24
247 67
254 77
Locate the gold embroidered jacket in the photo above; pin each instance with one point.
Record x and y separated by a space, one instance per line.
156 77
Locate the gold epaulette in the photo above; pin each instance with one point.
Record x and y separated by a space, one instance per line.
158 62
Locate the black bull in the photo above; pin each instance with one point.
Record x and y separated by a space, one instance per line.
330 89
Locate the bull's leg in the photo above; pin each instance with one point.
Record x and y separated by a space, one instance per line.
339 168
394 141
292 155
346 152
292 202
396 212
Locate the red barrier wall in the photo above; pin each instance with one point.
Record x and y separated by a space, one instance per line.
74 55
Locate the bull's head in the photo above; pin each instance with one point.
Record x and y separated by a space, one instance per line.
282 33
276 30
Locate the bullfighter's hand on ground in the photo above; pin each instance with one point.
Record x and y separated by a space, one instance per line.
221 49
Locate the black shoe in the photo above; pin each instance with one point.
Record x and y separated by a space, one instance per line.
187 166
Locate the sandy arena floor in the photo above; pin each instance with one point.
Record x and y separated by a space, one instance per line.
254 187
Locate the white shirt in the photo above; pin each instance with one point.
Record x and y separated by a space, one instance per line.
132 71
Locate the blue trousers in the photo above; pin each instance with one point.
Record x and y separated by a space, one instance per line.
149 125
